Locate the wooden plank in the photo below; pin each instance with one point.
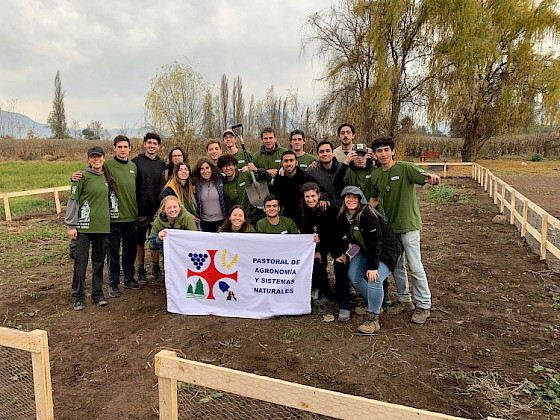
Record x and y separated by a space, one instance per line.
544 231
490 186
7 208
553 250
554 222
446 163
42 378
39 191
524 223
503 197
276 391
495 190
20 340
56 200
512 209
168 406
486 180
533 232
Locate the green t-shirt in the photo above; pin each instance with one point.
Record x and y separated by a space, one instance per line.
305 160
355 236
92 194
285 225
360 177
396 189
235 193
269 161
123 200
241 161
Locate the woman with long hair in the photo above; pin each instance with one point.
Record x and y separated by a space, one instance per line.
209 195
369 248
88 220
176 155
181 186
171 215
237 221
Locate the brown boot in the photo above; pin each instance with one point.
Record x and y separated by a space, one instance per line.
401 307
371 325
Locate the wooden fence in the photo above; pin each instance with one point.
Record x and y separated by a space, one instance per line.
35 342
169 368
53 190
498 190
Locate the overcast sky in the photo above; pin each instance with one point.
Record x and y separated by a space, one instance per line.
108 51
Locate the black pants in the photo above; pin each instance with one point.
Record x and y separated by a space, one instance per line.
125 232
211 226
320 280
98 243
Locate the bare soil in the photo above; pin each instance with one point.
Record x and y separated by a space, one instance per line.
492 317
541 189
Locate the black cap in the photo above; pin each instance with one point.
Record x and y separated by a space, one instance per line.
95 150
360 148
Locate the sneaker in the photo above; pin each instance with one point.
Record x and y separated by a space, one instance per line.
344 315
114 291
142 279
371 325
315 294
387 301
400 307
78 306
101 302
156 271
132 284
420 316
322 301
361 310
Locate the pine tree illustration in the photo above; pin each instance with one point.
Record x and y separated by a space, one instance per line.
199 288
189 289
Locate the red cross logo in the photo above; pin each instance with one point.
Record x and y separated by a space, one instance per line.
211 274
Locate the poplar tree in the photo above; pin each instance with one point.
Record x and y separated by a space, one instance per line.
57 117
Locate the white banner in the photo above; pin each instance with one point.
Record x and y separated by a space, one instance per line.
247 275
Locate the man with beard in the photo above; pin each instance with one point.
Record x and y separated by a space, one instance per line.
269 156
297 141
356 170
287 187
325 172
235 183
346 136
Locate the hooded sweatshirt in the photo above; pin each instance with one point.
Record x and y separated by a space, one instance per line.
269 159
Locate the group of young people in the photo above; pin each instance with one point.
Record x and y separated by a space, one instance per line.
358 202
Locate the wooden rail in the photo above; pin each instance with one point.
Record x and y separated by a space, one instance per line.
169 368
35 342
490 182
53 190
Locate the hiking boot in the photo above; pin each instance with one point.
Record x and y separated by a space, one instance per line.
371 325
132 284
156 271
400 307
101 302
344 315
315 294
361 310
78 306
142 279
322 301
114 291
420 316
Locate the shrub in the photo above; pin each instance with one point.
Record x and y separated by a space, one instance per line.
537 157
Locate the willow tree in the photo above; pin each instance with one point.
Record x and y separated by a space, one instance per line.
174 103
491 70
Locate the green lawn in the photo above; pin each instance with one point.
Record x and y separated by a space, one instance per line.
23 176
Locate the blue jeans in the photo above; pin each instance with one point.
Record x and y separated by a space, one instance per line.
411 255
371 291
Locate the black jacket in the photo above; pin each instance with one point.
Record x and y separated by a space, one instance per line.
148 184
321 222
381 242
288 191
325 178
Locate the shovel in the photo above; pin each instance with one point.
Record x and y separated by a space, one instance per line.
257 191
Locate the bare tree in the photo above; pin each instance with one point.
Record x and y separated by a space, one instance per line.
251 116
237 100
224 101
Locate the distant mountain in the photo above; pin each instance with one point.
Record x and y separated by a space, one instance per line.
13 124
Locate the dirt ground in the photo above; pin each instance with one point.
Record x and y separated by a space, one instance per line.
541 189
492 322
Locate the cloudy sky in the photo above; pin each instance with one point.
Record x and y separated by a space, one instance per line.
108 51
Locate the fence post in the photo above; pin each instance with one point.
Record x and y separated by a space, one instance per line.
490 185
42 377
7 208
486 180
472 170
495 191
544 231
168 408
445 170
512 208
524 224
503 197
56 200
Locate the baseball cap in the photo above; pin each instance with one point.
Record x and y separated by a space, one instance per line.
95 150
360 148
228 131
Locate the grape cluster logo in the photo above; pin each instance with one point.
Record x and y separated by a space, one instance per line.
207 272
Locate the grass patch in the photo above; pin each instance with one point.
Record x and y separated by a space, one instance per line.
442 194
293 334
546 395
